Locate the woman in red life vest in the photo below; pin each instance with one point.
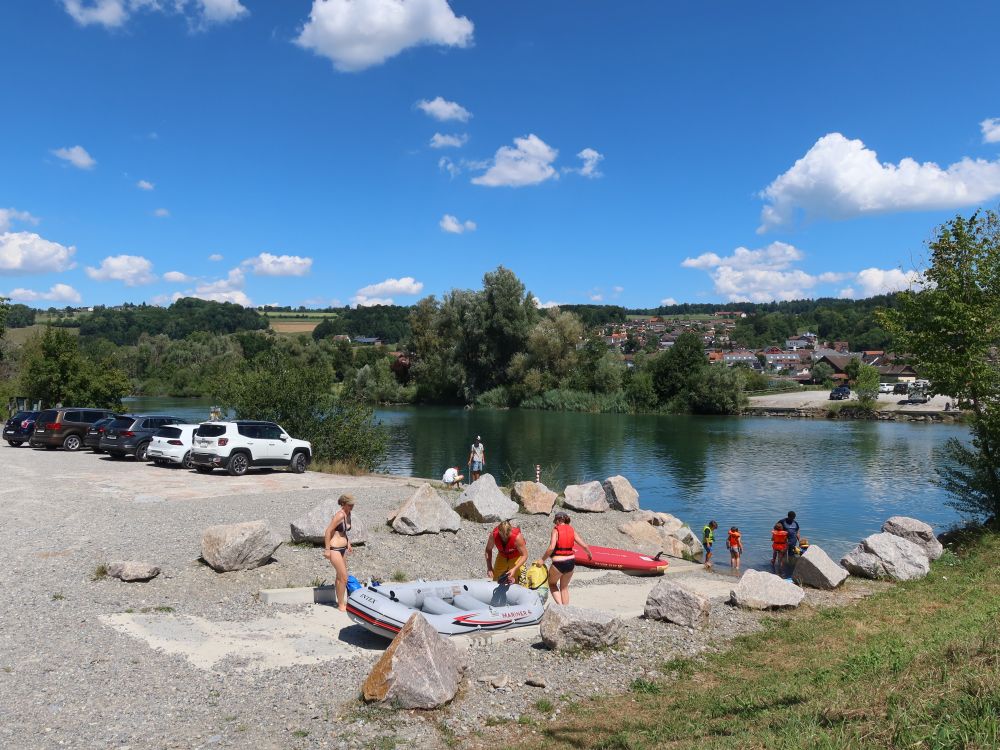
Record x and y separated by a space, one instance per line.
512 553
563 555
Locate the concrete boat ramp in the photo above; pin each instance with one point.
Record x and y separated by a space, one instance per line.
318 632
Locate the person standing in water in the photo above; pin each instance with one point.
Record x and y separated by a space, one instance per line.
477 458
561 551
338 546
512 553
707 540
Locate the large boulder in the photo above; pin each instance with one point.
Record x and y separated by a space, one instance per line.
887 556
815 568
691 543
131 571
238 546
620 493
759 590
651 540
311 527
589 497
425 512
568 628
420 669
918 532
483 502
534 497
672 602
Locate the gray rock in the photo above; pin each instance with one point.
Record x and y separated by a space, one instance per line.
815 568
668 522
533 497
425 512
238 546
895 558
483 502
131 571
571 628
672 602
588 497
620 493
760 590
311 528
692 545
420 669
918 532
648 539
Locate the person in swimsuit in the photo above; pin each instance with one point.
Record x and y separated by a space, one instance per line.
563 556
338 546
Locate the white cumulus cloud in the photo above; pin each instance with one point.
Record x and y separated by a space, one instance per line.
221 11
443 110
176 277
991 130
56 293
26 252
215 257
840 178
267 264
406 285
544 305
75 155
528 162
115 13
668 301
228 289
9 215
452 225
107 13
145 185
440 140
131 270
872 281
590 159
357 34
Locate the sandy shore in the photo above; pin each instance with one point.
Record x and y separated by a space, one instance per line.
196 659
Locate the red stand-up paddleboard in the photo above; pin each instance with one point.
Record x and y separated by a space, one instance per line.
608 558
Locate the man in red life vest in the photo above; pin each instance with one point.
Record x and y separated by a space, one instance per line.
512 553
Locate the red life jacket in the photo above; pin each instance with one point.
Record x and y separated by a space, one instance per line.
509 548
565 536
734 538
779 540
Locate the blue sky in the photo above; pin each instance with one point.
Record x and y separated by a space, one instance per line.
277 152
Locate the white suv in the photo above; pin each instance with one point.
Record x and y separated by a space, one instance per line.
238 446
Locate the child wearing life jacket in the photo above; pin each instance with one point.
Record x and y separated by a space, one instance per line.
779 547
561 551
511 550
734 543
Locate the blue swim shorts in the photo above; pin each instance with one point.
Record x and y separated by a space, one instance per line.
477 465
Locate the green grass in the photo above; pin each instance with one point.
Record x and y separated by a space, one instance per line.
100 572
58 596
916 666
399 576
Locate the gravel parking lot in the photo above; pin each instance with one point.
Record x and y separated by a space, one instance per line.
74 672
821 399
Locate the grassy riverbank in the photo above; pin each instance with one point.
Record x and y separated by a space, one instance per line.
915 667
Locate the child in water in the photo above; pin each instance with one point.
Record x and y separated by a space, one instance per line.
779 547
735 546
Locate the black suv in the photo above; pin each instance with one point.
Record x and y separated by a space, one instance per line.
65 427
18 428
840 393
93 437
130 436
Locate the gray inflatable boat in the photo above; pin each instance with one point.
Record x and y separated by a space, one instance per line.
451 607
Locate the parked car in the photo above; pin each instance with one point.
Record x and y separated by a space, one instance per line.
172 445
840 393
130 436
901 389
64 427
17 430
918 397
92 439
885 387
238 446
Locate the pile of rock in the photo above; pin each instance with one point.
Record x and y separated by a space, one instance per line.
424 512
615 493
901 552
655 533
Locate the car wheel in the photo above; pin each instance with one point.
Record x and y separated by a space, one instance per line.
238 465
203 469
15 443
72 443
141 451
299 463
187 462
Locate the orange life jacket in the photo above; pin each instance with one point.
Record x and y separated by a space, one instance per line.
565 536
734 538
779 540
508 548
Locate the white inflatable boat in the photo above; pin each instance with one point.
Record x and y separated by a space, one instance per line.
451 607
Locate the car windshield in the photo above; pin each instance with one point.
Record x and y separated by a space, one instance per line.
48 416
168 432
121 422
210 430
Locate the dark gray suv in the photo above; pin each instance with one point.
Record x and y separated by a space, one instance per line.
130 436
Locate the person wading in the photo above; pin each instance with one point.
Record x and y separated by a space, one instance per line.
338 546
561 551
477 458
512 553
707 540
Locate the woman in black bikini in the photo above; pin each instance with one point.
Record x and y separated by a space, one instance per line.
338 546
564 537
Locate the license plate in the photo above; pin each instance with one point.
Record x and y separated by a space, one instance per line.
8 432
112 437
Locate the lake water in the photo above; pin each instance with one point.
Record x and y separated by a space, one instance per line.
843 478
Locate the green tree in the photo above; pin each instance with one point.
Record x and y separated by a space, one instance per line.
4 312
852 369
951 329
678 369
54 371
821 372
866 384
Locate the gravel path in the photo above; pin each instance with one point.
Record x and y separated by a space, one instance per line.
69 679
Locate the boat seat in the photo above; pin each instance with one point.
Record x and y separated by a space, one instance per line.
470 603
435 605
